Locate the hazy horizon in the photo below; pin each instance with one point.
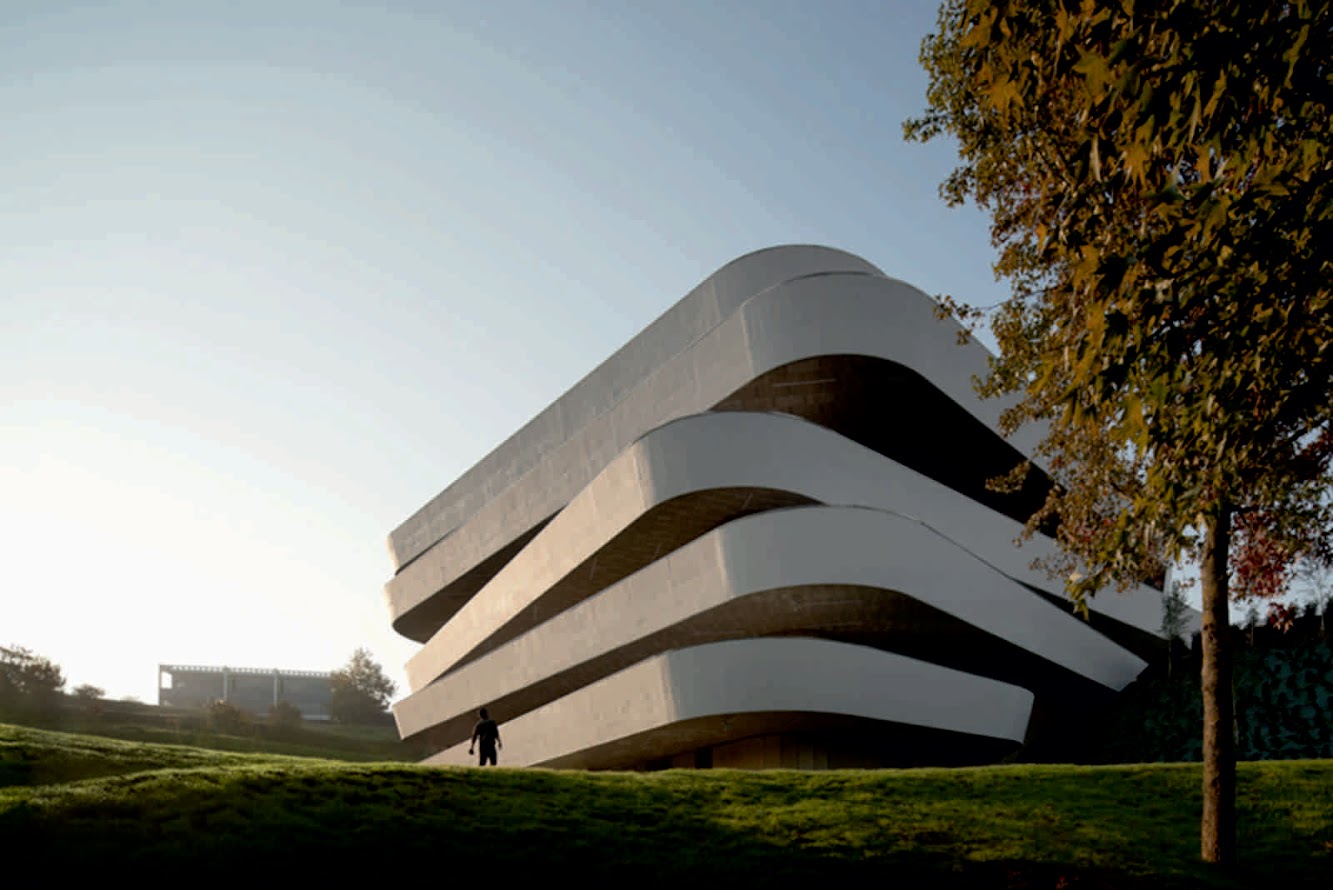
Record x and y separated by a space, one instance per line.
276 274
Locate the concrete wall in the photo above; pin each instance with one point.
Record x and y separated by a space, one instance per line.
827 314
713 301
715 694
251 689
659 570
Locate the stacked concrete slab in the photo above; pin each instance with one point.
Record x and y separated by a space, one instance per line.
757 535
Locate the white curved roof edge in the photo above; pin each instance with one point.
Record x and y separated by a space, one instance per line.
746 450
708 303
746 676
805 318
777 550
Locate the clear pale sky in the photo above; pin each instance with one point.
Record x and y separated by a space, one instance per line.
272 274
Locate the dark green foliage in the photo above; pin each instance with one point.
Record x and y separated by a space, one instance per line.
1155 720
29 683
1284 705
1283 702
361 691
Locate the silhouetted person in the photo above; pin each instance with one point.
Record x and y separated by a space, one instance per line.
487 731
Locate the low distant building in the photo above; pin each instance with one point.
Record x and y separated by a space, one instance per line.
251 689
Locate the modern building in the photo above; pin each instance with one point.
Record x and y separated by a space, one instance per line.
251 689
757 535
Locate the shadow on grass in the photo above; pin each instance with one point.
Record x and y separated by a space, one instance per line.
413 825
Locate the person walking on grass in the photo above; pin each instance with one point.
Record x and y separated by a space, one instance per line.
487 731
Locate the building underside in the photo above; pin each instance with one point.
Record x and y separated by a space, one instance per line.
758 535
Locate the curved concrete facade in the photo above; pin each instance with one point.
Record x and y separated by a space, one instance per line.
686 699
758 535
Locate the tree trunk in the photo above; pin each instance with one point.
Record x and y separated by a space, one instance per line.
1218 827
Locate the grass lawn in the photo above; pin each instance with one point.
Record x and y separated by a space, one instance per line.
80 804
135 722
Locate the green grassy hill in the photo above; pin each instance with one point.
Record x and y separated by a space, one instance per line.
87 805
138 722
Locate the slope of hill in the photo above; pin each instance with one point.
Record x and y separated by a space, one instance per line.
164 807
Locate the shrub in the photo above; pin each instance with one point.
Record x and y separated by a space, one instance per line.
90 697
284 716
223 716
28 681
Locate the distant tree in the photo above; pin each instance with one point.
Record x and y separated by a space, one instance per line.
90 697
29 681
1315 582
360 690
1251 622
284 715
1175 616
223 716
1159 178
89 692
